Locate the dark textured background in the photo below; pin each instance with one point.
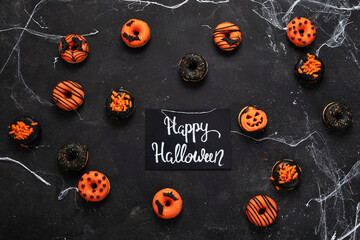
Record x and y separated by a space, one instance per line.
259 73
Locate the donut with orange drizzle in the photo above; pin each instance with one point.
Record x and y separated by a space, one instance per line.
120 104
286 174
301 31
25 131
309 69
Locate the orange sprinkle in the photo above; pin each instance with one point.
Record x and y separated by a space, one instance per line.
120 103
287 173
311 66
21 131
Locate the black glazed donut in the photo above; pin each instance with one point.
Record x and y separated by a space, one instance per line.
286 174
120 104
25 131
309 69
73 156
337 115
193 67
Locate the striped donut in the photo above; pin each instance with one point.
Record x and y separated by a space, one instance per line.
227 36
73 48
261 211
68 95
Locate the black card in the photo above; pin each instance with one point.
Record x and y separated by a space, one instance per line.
187 139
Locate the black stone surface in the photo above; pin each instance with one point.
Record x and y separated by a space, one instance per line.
259 72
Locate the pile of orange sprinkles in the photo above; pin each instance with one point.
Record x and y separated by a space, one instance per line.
21 131
287 173
311 66
120 103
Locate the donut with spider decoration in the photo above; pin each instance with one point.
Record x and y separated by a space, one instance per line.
73 48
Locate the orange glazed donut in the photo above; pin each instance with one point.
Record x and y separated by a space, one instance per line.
73 48
135 33
301 32
68 95
167 203
227 36
94 186
261 211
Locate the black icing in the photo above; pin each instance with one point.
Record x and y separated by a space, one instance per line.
231 41
78 43
73 156
170 195
130 38
305 78
193 67
337 116
33 138
129 23
120 115
64 45
160 207
288 185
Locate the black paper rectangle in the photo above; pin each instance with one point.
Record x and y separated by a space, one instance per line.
187 139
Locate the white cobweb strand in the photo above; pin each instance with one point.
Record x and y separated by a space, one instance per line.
143 4
7 159
278 17
64 192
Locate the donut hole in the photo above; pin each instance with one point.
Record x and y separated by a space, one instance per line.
94 185
72 155
68 94
167 203
74 47
301 31
136 33
262 211
192 65
227 35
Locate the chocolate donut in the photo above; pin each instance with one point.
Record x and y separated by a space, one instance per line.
337 115
25 131
286 174
120 104
193 67
309 69
73 156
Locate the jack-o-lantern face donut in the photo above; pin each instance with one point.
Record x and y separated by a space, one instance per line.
227 36
301 31
167 203
251 119
135 33
73 48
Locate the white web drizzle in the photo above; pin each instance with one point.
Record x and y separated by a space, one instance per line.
272 12
144 4
7 159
